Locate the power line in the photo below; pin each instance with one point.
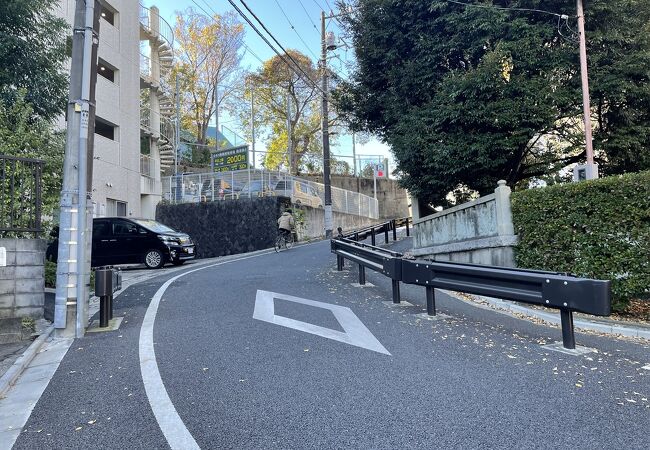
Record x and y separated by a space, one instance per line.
248 49
294 29
308 16
308 80
474 5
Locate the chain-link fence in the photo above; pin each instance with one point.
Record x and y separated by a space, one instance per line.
208 187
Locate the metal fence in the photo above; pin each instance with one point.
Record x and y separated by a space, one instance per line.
20 194
207 187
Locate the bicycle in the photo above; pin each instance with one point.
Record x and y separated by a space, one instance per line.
283 241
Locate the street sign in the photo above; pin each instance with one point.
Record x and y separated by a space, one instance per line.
235 158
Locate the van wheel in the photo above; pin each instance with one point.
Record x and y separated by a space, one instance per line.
154 259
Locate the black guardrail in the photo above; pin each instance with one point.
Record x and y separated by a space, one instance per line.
561 291
374 230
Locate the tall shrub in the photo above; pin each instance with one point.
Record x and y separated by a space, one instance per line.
597 229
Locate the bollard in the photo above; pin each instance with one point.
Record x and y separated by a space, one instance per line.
362 274
408 233
568 337
104 279
396 296
394 225
372 235
431 301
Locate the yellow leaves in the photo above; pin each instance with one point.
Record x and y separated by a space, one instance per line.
506 68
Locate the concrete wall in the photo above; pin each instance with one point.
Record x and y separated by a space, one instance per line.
393 200
22 285
239 226
479 232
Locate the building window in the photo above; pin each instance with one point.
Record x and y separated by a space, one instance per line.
106 70
115 208
108 13
106 129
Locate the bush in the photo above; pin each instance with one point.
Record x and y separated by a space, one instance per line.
50 274
596 229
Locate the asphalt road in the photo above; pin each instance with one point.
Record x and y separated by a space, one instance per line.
476 379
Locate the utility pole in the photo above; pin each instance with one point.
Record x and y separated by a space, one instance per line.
592 169
253 125
177 140
326 136
71 302
216 124
289 132
354 152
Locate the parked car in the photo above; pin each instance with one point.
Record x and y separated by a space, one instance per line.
300 192
121 240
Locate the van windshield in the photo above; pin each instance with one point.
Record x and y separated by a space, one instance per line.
154 226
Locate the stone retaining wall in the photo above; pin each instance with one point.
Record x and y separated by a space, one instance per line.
22 285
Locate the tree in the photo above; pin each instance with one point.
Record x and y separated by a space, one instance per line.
32 54
208 56
273 86
25 135
466 96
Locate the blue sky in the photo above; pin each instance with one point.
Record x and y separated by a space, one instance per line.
303 15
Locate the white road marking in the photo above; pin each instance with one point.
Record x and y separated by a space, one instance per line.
355 332
170 423
646 367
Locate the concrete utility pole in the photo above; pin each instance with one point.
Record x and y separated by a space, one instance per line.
326 136
253 125
289 131
177 140
592 169
75 228
216 124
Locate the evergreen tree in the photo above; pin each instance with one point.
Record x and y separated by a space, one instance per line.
466 96
32 54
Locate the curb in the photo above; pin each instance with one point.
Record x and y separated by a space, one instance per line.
19 366
507 307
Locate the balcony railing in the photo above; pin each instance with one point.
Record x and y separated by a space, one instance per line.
165 30
149 167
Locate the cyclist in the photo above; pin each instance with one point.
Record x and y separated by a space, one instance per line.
286 224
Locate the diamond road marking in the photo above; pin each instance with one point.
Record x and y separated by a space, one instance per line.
355 332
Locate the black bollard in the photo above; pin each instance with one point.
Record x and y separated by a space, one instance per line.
431 301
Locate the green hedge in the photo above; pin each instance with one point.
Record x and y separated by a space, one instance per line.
597 229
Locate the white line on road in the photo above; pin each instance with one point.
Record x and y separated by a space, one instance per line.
355 332
170 423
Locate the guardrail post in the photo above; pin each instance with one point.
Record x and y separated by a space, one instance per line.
362 274
568 337
385 233
408 233
339 263
394 225
396 296
372 234
431 301
356 237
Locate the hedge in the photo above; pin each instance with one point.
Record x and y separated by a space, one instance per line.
597 229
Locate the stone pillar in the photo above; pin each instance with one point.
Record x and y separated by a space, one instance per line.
504 213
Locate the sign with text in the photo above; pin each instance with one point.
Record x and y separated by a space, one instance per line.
235 158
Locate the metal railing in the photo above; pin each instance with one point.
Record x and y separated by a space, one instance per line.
550 289
145 68
166 126
20 194
165 30
149 167
250 183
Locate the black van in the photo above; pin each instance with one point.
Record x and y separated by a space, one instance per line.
121 240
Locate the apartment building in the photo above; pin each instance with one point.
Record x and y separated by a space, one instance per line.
133 130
